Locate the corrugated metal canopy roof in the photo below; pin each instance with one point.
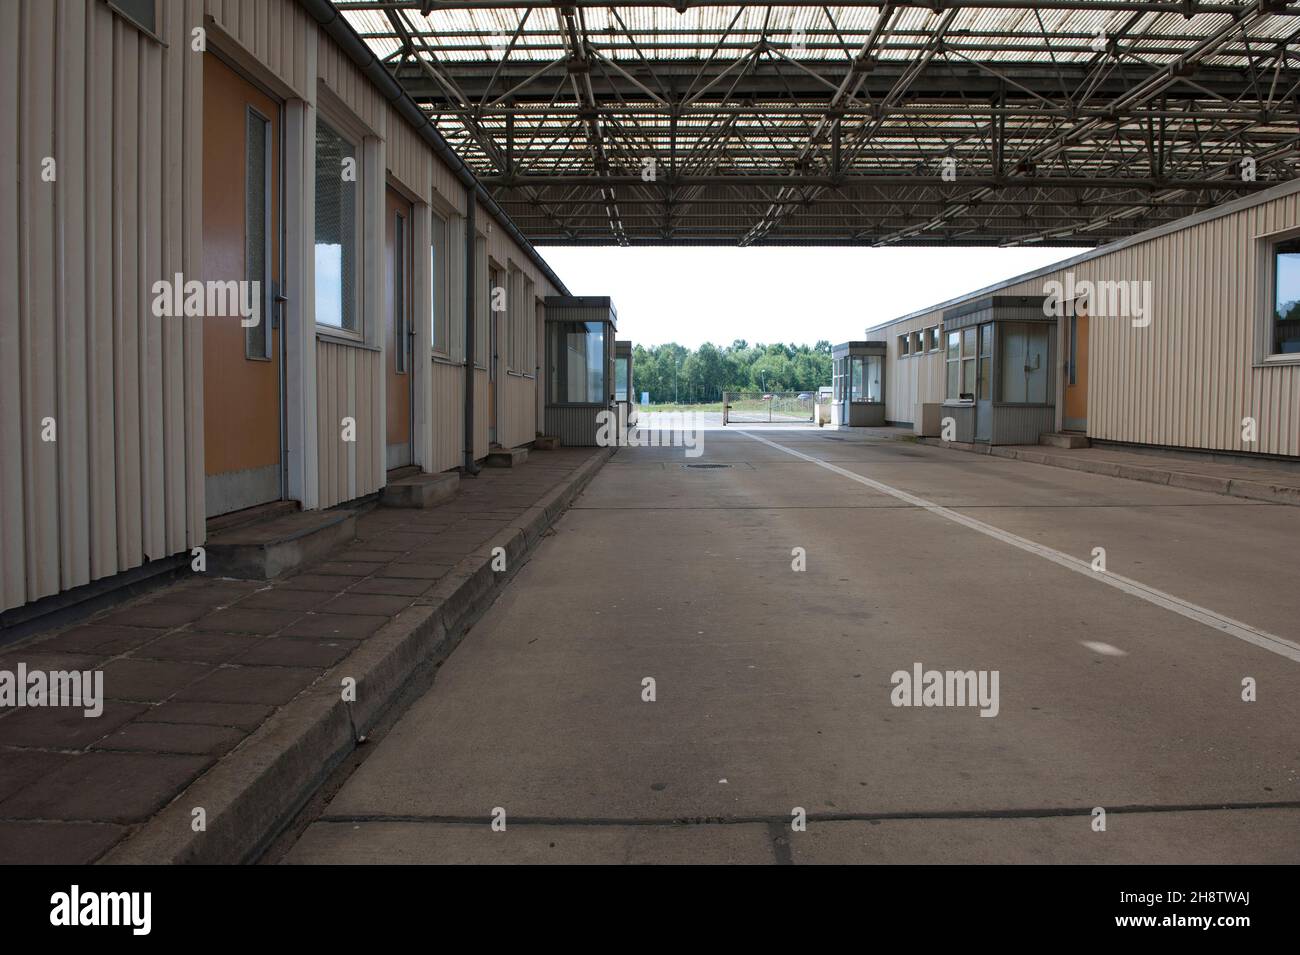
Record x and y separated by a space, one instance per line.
944 121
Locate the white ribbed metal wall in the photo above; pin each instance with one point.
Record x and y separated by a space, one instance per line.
910 378
122 116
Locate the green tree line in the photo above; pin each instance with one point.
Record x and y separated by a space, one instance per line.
674 373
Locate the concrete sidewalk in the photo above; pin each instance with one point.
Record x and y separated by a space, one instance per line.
1256 481
225 677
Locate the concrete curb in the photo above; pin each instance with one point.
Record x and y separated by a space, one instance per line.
251 794
1189 480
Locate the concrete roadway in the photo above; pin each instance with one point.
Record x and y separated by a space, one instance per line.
773 686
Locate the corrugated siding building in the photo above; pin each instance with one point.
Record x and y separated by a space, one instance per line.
1199 359
215 144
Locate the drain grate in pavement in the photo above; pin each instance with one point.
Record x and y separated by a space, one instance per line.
708 466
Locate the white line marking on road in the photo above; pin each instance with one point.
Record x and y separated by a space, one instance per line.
1242 631
1105 649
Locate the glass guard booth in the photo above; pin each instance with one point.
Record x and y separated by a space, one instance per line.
580 372
999 386
624 387
858 385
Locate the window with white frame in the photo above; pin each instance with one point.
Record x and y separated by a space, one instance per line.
903 341
338 229
529 319
498 303
439 298
525 317
510 318
960 360
516 336
932 338
483 302
1284 319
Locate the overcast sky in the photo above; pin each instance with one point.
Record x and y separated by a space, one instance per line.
799 295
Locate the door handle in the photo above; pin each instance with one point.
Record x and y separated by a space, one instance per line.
277 303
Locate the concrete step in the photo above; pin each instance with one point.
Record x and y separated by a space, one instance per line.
506 457
250 515
421 490
546 442
265 549
1061 439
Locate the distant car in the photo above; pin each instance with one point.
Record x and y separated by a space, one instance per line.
804 396
767 397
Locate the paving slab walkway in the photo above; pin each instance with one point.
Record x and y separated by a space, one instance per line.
191 670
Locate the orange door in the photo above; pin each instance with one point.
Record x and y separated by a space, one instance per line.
241 362
398 343
1076 372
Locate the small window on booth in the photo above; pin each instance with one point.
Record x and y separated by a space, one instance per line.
960 359
968 362
903 341
1284 335
918 343
932 338
576 353
953 359
620 379
986 362
864 380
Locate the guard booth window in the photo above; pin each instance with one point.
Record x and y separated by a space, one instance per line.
577 362
961 364
620 379
865 385
986 362
1024 362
